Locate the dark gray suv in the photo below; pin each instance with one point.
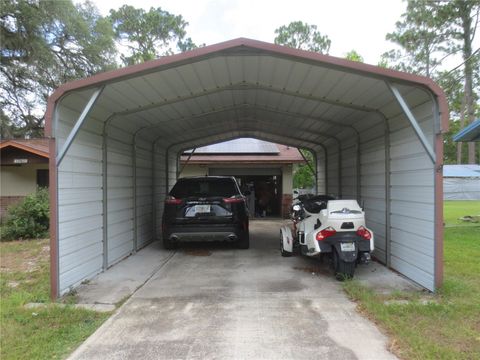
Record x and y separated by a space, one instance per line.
207 208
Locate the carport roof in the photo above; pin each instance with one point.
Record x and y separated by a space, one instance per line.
243 79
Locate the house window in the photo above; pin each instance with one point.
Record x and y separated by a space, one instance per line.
42 178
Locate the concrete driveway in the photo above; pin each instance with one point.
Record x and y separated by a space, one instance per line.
217 302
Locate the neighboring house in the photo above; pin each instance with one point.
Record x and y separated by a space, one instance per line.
461 182
263 168
24 167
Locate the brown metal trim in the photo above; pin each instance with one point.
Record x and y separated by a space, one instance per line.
438 261
53 222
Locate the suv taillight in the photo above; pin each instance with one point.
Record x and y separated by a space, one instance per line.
232 200
325 233
364 233
170 200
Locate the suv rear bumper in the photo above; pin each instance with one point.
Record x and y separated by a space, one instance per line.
203 233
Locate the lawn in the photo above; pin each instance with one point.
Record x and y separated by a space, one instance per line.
445 325
51 332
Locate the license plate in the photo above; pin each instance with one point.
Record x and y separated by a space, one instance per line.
347 246
202 209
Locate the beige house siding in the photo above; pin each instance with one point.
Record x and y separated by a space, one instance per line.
19 180
194 170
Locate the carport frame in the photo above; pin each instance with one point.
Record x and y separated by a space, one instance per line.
273 50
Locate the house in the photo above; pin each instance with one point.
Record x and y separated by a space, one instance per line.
461 182
24 167
263 168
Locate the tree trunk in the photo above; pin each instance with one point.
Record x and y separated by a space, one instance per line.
465 10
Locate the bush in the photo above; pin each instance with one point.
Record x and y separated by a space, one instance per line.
28 219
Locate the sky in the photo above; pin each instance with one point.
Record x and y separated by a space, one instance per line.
350 24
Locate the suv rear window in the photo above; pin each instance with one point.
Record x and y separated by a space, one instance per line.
204 187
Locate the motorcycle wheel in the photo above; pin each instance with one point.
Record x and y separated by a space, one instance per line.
343 270
282 250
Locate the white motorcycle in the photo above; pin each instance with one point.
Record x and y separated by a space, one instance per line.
326 227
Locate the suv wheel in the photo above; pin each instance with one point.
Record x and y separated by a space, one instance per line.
244 241
168 244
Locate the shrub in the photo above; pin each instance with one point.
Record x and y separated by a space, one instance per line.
28 219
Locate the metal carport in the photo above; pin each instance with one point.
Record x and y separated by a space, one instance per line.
117 136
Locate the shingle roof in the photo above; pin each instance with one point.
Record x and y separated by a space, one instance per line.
35 146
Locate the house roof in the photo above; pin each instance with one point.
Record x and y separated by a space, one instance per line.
461 171
35 146
470 133
259 153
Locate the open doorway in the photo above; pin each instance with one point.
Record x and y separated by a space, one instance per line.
265 198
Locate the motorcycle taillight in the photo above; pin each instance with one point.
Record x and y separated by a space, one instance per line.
364 233
325 233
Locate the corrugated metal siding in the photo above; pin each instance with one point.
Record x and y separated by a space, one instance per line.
119 194
160 183
321 172
349 168
79 201
144 192
372 180
412 196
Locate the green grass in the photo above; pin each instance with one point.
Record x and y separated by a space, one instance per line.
453 210
449 326
43 333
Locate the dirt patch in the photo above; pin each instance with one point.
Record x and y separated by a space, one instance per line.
23 255
198 252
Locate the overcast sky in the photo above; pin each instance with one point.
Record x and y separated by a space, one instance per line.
350 24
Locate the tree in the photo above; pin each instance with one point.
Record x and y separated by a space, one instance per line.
463 18
421 36
44 44
148 34
303 36
303 177
354 56
431 31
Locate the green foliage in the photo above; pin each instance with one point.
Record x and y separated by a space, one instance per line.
303 178
303 36
421 36
148 34
29 219
354 56
428 33
43 45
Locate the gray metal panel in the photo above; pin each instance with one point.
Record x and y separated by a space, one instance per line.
119 194
79 203
412 196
